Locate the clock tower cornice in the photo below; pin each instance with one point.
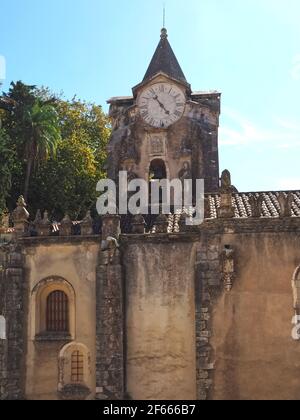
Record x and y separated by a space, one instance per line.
158 78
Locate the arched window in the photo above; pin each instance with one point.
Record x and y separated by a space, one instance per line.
57 312
77 367
157 170
53 307
75 373
157 173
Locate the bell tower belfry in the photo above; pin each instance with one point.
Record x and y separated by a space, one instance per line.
165 128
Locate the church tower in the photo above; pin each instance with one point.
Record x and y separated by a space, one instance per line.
165 130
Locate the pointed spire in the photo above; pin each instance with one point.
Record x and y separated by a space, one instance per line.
165 61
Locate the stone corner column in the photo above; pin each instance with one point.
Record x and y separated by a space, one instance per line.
14 285
110 315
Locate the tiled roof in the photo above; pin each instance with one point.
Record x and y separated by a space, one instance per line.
240 201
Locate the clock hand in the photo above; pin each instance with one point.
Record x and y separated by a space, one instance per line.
161 105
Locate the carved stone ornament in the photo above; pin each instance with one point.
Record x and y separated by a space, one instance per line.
43 225
20 214
157 146
285 203
226 209
228 267
185 172
66 226
20 217
87 225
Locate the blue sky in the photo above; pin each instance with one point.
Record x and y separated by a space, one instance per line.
247 49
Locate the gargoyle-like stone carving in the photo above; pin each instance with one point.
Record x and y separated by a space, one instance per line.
256 204
110 254
228 267
285 203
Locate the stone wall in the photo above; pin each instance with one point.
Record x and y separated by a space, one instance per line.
255 355
188 332
160 317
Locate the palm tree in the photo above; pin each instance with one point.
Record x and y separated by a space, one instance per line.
42 137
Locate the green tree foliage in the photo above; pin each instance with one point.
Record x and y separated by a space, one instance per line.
69 167
7 155
32 126
43 137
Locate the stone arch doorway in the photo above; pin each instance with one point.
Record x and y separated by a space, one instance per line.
157 172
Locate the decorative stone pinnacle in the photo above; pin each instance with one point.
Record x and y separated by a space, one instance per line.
21 202
38 217
88 218
164 33
20 214
66 219
20 218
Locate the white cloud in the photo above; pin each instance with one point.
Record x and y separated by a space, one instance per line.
240 131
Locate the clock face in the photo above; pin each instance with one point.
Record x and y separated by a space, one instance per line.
161 105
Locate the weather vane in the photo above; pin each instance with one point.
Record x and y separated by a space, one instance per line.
164 15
